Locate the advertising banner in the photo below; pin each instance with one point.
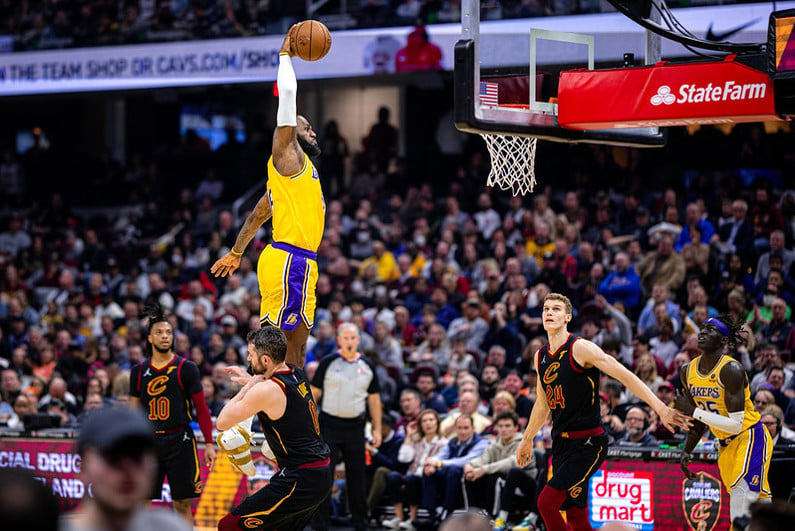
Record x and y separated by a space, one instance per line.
354 53
665 95
650 495
57 464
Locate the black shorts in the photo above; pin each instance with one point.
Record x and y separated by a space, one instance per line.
178 460
574 461
286 503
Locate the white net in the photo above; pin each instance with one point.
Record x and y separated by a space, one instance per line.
512 162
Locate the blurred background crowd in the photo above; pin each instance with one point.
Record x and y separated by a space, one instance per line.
48 24
449 274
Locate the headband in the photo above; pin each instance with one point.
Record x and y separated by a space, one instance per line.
722 328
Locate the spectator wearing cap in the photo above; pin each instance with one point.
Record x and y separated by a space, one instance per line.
622 284
117 451
229 333
470 327
665 392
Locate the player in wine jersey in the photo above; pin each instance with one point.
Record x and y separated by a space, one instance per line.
287 268
280 395
163 385
717 395
568 389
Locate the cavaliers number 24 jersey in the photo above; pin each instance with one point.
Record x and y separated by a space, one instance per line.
164 392
571 389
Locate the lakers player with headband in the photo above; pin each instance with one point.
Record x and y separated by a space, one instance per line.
717 395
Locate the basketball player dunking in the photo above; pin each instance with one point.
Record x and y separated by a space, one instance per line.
287 268
568 387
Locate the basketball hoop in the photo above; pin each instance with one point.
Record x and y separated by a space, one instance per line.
512 162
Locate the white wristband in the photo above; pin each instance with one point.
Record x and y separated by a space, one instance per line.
731 424
286 115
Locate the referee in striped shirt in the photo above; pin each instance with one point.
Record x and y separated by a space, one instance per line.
346 387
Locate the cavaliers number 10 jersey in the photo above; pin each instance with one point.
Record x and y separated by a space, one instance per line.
572 390
164 392
294 438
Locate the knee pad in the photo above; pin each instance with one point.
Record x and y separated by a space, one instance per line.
236 444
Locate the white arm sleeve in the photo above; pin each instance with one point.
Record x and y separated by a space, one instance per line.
731 424
288 87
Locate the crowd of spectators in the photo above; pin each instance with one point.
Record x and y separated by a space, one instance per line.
445 286
47 24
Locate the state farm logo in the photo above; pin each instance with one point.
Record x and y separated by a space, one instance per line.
663 96
693 93
701 501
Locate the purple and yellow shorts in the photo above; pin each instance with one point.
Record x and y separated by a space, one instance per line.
287 278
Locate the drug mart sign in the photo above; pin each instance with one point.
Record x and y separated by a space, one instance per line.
622 496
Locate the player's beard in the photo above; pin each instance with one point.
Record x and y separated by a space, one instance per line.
311 149
161 350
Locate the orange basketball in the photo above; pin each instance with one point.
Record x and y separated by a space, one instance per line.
310 40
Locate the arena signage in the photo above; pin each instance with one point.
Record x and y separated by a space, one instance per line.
355 53
665 95
625 497
56 464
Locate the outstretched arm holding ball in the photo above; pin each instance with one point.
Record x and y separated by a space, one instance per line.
294 202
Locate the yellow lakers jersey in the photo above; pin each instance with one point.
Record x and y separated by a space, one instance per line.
709 394
298 207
